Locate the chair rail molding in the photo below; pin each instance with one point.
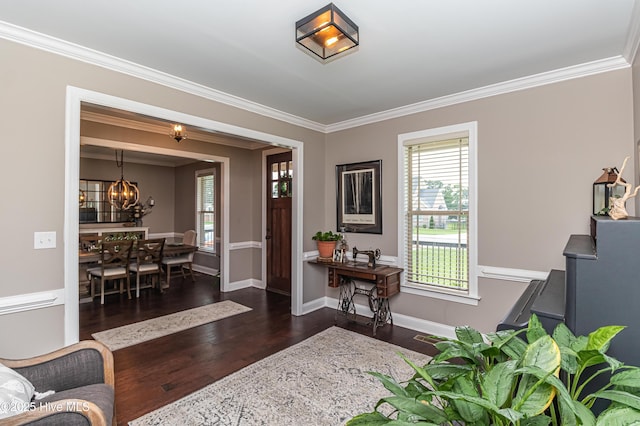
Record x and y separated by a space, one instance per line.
509 274
29 301
386 260
240 245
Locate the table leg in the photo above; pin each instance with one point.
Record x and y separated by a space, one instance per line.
345 299
381 313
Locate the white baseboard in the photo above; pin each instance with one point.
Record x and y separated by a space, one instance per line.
29 301
259 284
314 305
205 270
417 324
251 282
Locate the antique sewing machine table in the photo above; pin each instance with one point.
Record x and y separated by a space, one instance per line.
385 281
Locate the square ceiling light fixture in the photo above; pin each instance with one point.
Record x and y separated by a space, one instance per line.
327 32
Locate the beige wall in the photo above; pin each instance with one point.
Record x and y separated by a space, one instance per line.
34 85
185 206
155 181
539 151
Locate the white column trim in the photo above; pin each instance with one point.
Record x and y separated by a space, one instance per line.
75 96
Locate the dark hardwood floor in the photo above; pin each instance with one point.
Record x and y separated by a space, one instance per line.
155 373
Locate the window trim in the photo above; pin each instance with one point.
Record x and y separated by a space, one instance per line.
200 173
469 130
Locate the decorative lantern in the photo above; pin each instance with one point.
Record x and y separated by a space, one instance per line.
602 192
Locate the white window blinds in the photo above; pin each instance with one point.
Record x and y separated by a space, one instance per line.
437 208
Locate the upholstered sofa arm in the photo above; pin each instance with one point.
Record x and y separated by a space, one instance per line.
84 363
83 380
61 412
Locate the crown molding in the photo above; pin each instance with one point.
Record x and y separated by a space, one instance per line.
523 83
50 44
71 50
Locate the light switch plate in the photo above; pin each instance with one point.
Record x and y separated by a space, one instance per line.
44 240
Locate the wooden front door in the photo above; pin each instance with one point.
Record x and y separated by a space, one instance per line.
278 238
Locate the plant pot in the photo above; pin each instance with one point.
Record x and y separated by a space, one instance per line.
325 248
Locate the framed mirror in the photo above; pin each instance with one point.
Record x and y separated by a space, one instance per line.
95 206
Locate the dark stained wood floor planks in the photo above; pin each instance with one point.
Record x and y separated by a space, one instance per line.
155 373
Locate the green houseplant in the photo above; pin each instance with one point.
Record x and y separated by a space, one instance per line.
326 243
508 381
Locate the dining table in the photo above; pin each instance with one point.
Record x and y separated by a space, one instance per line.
87 258
170 249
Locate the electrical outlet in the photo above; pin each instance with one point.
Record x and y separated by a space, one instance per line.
44 240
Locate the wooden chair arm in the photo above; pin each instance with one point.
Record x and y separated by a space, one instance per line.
107 358
86 408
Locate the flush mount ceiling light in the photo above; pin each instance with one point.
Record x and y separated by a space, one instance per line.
178 133
327 32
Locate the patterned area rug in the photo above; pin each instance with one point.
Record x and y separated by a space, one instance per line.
132 334
320 381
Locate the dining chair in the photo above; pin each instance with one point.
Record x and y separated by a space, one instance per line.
114 265
184 260
89 242
148 262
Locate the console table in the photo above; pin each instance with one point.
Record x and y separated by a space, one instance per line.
382 283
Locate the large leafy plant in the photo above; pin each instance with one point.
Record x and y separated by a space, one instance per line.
506 380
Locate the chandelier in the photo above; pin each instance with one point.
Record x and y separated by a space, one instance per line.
122 194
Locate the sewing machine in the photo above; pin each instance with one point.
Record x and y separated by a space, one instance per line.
373 256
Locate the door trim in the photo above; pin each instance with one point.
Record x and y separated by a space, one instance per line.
74 97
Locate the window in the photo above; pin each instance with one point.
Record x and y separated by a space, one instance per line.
205 210
437 243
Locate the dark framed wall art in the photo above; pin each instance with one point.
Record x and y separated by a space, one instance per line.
359 198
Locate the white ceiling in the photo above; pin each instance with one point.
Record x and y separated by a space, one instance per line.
411 51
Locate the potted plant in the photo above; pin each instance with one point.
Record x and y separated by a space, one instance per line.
511 382
326 243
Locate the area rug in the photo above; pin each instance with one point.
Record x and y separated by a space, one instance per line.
319 381
132 334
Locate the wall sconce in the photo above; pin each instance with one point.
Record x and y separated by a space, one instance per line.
602 192
122 194
179 133
327 32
